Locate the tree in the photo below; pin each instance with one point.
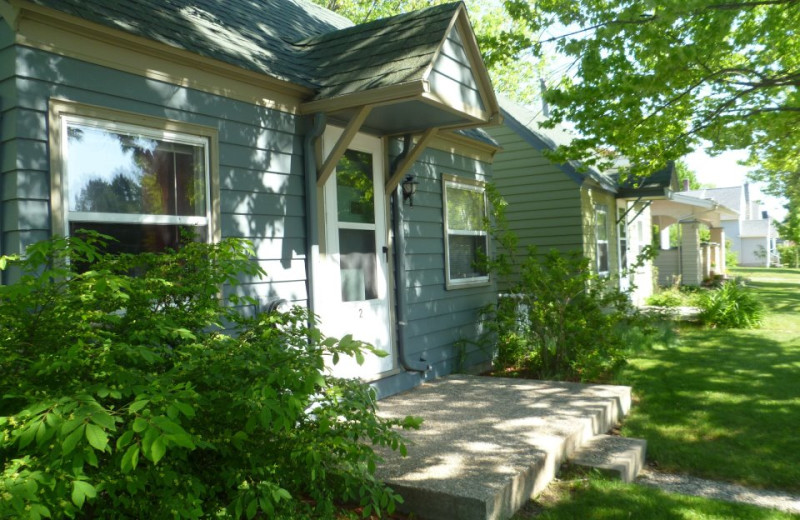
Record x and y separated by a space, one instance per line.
654 80
684 173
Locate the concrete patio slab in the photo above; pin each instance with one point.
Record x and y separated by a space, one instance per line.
488 444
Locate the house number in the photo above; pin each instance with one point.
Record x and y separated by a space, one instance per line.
360 313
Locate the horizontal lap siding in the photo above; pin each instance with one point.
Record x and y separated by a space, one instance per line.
443 324
260 163
544 204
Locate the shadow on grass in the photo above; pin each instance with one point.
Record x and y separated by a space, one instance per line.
723 405
776 296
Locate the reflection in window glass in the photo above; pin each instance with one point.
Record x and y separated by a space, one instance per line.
357 265
466 236
144 187
112 172
623 238
465 208
355 194
601 213
141 238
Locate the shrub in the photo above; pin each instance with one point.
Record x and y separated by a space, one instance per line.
563 321
667 298
730 306
789 255
131 391
731 258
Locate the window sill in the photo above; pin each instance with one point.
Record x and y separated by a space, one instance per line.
468 283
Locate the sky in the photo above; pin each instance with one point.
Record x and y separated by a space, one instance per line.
724 171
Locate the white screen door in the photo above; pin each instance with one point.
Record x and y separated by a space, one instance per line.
353 295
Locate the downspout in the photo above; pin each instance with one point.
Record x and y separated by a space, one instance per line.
400 278
312 227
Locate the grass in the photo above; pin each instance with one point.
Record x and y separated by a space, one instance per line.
718 404
724 404
600 499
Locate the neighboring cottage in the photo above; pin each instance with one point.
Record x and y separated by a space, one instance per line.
276 121
751 231
573 207
568 206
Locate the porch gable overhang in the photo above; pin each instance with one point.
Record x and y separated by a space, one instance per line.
660 185
416 71
681 208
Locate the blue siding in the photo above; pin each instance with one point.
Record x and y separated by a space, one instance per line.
260 170
443 324
262 193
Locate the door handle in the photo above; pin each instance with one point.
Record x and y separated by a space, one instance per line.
386 252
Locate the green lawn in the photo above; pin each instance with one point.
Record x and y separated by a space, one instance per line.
725 404
718 404
598 499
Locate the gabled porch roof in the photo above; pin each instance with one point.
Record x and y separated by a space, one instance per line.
415 71
679 207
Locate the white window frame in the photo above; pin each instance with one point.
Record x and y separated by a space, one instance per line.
622 237
598 209
63 113
453 181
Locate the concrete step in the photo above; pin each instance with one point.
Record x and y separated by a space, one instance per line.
623 457
487 445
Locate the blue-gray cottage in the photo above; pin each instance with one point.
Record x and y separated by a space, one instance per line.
277 121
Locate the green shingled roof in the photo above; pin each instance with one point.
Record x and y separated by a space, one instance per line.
381 53
293 40
255 35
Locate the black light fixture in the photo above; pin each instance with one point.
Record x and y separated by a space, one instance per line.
409 189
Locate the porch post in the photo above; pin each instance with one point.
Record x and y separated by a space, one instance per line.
718 236
691 272
663 236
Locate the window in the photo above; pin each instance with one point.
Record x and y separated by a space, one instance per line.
623 238
466 239
355 202
147 185
601 234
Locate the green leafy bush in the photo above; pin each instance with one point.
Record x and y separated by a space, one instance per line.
563 321
131 391
789 255
731 258
731 306
671 297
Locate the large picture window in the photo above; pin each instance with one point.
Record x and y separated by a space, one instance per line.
601 234
148 187
466 239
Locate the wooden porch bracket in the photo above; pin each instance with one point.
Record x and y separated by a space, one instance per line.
341 145
409 159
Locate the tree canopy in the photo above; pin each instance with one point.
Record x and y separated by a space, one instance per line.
655 80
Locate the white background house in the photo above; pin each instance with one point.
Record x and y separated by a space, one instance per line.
752 235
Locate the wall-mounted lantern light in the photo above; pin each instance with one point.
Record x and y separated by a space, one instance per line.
409 189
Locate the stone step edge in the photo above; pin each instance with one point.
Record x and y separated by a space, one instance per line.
622 457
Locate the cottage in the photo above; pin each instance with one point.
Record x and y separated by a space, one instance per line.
276 121
569 206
